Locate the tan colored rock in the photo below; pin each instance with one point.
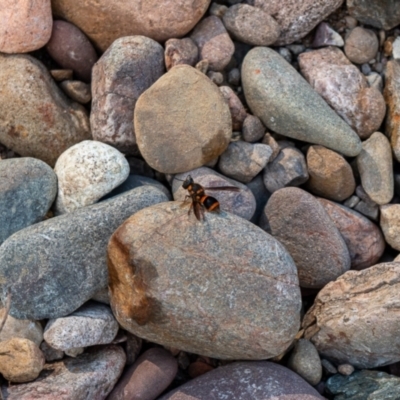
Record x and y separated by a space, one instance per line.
297 18
299 221
190 133
25 25
355 319
37 119
390 224
330 174
77 90
214 43
222 280
375 166
104 21
20 360
392 98
363 238
344 88
20 328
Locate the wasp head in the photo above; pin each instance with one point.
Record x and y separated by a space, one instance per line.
187 182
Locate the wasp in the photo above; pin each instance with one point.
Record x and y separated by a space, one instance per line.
200 200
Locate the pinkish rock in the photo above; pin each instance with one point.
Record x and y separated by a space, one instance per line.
213 42
355 318
70 47
296 19
129 67
25 25
104 21
89 376
344 88
299 221
246 380
251 25
147 378
180 51
236 107
363 238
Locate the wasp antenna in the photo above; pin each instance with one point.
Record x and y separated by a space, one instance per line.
182 180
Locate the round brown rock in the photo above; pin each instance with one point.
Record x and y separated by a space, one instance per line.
25 25
70 47
251 25
301 224
355 319
222 282
50 124
104 21
330 174
176 129
147 378
363 238
361 45
20 360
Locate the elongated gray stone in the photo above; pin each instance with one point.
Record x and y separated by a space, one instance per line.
55 266
286 103
28 187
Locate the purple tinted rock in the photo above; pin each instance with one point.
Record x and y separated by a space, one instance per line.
326 36
246 380
70 47
151 374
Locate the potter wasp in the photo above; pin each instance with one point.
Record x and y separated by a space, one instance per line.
200 200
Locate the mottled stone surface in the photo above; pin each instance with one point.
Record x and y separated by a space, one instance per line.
344 88
246 380
50 124
243 161
151 374
381 14
20 328
86 172
357 312
89 376
390 224
25 25
214 43
104 22
91 324
330 174
241 203
376 168
392 98
190 133
364 385
28 188
20 360
199 296
38 263
363 238
361 45
180 51
296 19
288 168
128 68
305 361
71 49
251 25
301 224
267 78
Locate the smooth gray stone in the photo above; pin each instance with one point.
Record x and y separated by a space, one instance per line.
363 385
55 266
28 187
286 103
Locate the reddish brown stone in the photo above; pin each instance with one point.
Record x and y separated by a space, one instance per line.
199 368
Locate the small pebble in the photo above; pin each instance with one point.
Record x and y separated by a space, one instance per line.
361 45
180 51
352 201
77 91
396 49
202 66
285 53
236 107
50 353
345 369
199 368
328 367
216 77
326 36
234 77
60 75
217 9
253 129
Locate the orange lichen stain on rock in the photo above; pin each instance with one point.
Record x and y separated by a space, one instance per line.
257 71
127 287
46 111
17 131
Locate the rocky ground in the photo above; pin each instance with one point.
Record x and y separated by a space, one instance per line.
111 287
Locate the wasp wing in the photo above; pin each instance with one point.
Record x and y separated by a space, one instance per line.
198 211
227 188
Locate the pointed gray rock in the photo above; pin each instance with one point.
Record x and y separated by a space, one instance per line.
286 103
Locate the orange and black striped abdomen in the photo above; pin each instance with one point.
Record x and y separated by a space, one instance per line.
210 203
